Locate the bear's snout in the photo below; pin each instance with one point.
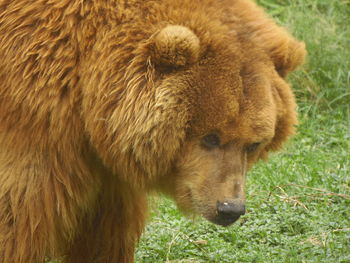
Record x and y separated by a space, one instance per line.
229 212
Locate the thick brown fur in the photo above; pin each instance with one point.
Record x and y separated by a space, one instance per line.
102 101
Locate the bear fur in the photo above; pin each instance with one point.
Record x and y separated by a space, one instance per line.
104 101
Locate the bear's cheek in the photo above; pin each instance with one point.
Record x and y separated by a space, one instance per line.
191 179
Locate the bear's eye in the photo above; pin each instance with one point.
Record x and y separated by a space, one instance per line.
210 141
252 147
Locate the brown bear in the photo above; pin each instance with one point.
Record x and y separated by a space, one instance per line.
103 101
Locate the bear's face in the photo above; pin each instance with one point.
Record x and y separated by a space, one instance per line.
233 122
240 109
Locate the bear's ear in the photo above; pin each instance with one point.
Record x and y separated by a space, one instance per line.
175 46
285 51
288 55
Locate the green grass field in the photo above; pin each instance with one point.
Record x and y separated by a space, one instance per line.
299 202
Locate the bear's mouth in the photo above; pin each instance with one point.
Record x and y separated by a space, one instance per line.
223 221
190 206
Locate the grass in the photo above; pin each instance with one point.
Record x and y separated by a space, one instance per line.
298 202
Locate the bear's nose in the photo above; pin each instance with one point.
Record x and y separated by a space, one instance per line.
229 212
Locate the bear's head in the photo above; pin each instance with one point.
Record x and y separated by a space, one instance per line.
233 104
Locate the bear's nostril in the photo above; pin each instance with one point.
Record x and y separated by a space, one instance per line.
230 209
